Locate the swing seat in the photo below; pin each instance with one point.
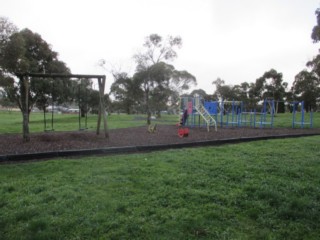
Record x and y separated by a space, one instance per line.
152 128
49 130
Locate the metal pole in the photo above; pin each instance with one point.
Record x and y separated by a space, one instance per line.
293 113
227 123
265 116
79 114
232 112
221 113
86 117
302 114
52 97
44 119
272 113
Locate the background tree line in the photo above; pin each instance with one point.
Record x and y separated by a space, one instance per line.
26 52
305 87
155 85
128 92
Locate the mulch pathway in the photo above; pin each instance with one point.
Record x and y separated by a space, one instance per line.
137 136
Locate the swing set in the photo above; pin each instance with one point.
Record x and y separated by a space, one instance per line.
24 78
46 126
82 106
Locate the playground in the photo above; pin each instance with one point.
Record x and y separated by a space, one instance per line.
132 136
198 123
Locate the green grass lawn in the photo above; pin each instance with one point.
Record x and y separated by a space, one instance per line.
11 122
258 190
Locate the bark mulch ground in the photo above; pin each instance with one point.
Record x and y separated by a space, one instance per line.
11 144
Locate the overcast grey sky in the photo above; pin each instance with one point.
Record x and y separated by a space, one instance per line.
236 40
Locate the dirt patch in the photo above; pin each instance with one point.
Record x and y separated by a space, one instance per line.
138 136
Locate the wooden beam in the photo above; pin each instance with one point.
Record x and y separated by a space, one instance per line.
25 107
102 109
106 133
58 75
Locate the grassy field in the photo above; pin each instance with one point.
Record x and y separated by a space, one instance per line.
259 190
11 122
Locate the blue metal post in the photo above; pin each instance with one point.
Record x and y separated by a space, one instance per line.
293 114
265 112
227 123
272 113
232 112
239 117
221 113
262 113
302 114
245 120
240 113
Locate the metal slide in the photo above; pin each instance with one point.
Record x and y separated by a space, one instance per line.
205 115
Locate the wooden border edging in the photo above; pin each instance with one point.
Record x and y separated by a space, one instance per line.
136 149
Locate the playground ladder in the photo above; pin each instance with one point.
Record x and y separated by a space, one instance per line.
206 116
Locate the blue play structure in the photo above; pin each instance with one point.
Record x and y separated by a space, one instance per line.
212 107
266 116
200 112
203 113
230 113
223 113
304 119
234 114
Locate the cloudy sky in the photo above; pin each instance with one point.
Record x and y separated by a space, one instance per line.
236 40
